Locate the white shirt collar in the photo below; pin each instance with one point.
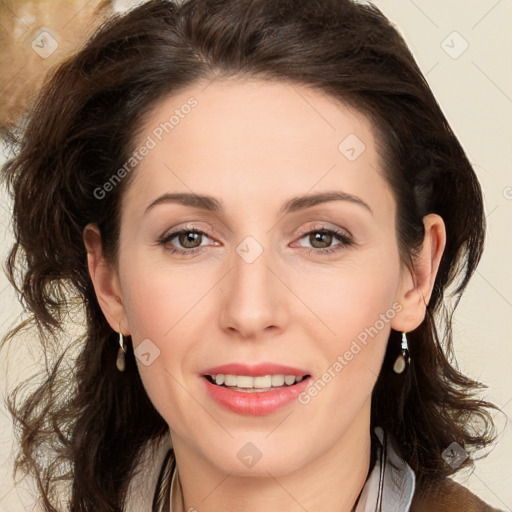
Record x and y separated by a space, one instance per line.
396 481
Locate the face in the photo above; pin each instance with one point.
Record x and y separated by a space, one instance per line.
292 261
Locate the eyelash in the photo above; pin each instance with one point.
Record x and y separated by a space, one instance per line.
345 240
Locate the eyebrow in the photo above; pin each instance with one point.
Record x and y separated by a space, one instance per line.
294 204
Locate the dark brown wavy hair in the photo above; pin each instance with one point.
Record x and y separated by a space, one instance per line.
94 421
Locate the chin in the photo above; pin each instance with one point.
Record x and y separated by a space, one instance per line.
257 458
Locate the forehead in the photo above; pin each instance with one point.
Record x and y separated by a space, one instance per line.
256 138
282 116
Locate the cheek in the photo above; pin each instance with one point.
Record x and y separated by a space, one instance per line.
352 298
355 311
358 311
158 296
159 313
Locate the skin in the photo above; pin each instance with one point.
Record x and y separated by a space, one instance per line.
253 145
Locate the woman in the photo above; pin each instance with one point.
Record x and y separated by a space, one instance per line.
261 207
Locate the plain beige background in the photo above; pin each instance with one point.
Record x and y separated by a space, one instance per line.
463 48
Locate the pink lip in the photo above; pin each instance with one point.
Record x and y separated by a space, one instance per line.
258 370
258 403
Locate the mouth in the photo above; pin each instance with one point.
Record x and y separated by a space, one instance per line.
258 384
257 389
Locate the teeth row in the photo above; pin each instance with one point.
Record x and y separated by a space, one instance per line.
245 381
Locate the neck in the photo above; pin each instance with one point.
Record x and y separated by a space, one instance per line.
331 482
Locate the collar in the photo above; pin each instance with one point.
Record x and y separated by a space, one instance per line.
391 483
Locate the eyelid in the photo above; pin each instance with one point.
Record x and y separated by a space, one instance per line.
174 230
323 226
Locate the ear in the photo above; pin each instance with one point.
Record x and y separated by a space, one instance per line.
105 281
417 283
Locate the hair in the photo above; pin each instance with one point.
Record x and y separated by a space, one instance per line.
83 127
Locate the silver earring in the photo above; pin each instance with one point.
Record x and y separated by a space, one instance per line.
403 359
120 362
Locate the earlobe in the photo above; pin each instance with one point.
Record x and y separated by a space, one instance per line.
417 283
105 281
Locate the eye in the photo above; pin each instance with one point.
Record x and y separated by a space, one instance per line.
322 240
189 240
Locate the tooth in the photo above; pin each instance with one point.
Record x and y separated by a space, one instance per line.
262 382
257 383
244 381
277 380
230 380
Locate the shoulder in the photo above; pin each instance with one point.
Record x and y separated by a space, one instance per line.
448 496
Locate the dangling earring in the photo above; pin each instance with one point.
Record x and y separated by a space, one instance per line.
403 359
120 362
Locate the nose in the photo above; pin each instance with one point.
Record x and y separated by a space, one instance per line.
253 299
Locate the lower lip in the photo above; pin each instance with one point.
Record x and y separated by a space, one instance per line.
256 403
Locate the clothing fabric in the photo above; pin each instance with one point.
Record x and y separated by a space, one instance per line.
391 483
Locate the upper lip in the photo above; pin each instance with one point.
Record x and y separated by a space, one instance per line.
257 370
